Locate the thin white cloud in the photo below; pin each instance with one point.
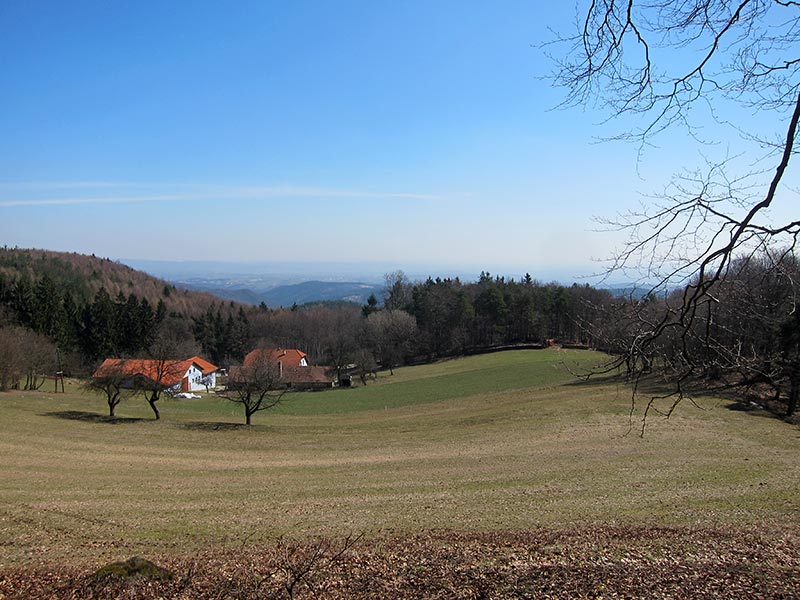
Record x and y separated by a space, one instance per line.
66 185
314 192
96 200
191 192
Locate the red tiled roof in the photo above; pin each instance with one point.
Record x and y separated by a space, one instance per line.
289 358
205 366
165 372
308 375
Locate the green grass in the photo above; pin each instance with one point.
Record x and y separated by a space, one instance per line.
498 442
477 375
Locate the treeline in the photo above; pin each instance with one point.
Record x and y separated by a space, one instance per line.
743 335
415 321
454 317
746 334
82 276
46 329
97 328
75 310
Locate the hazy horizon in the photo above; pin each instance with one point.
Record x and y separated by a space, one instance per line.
367 271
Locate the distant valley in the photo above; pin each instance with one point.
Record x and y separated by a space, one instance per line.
254 290
273 283
285 284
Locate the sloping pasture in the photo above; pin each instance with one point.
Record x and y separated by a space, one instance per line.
507 442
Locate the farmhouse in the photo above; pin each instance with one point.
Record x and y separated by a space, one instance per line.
285 358
293 368
189 375
209 372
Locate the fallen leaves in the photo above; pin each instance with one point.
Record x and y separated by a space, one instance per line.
593 562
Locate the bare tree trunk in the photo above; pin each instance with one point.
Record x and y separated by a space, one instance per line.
112 403
152 402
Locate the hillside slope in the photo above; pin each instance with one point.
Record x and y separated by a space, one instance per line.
83 276
56 305
504 447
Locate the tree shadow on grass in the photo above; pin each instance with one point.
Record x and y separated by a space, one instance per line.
729 396
749 407
583 381
79 415
214 426
768 409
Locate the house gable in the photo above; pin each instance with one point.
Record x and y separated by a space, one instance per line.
290 358
193 374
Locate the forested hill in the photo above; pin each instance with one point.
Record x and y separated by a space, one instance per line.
90 308
82 309
82 276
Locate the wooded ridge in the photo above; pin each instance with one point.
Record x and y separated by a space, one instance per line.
67 312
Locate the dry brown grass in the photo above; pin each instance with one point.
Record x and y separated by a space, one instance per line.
542 459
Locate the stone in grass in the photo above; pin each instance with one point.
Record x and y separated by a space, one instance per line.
133 567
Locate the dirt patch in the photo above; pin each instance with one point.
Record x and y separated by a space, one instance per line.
597 562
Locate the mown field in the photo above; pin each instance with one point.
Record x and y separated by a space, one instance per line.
505 450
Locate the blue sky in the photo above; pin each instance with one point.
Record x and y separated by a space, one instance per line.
404 133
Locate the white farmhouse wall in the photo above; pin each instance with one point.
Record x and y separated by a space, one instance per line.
195 376
209 380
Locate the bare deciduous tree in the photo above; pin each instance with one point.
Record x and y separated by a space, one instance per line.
392 333
10 358
301 563
110 379
25 355
660 65
172 344
256 385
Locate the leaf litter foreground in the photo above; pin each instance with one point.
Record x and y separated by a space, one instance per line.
594 562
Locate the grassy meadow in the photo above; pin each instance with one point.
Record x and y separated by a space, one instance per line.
500 442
